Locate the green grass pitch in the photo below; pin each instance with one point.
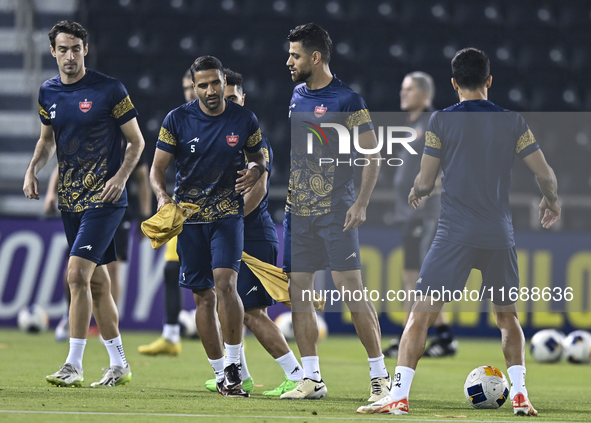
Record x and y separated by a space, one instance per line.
171 388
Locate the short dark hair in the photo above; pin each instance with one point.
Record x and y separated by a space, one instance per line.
188 75
313 38
233 78
206 63
67 27
470 68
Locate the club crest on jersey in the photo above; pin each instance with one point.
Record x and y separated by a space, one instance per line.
85 105
319 111
232 139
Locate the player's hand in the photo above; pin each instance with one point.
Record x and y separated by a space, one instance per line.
113 189
413 200
247 179
31 186
355 216
549 213
164 199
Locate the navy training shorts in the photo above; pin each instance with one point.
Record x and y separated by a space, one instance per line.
203 247
313 243
90 233
448 265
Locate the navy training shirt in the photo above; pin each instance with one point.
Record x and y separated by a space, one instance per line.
316 190
86 117
477 152
209 152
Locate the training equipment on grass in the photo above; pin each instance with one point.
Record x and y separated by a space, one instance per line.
577 347
32 319
283 322
546 346
486 387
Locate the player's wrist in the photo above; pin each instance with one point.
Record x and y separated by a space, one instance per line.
260 168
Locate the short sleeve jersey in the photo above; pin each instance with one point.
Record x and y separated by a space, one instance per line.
86 117
258 225
476 142
316 190
208 152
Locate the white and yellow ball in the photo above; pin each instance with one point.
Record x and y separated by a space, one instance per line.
486 387
285 325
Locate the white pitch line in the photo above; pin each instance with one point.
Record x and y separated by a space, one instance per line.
308 417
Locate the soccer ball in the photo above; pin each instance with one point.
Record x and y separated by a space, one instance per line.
486 387
546 346
577 347
32 319
283 322
188 325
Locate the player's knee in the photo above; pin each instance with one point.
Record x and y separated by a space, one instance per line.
253 315
205 299
100 286
225 286
506 319
348 280
77 278
420 320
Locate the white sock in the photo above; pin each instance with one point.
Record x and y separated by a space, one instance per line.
116 353
377 367
172 333
244 369
291 367
517 377
232 354
218 368
402 381
312 367
76 352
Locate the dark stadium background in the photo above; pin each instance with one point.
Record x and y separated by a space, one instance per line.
538 50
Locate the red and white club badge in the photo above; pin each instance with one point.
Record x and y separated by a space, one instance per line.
85 105
319 111
232 139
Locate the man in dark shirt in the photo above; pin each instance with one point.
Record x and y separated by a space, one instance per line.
474 142
84 116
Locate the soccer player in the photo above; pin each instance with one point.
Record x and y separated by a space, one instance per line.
208 138
261 242
170 341
84 116
322 214
418 227
140 199
474 142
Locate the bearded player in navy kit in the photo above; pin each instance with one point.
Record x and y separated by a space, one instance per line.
322 213
208 138
475 143
261 242
84 116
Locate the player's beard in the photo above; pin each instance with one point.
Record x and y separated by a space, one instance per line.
212 106
302 76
